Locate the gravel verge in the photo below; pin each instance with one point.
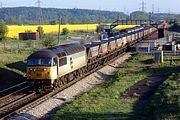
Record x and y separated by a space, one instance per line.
45 109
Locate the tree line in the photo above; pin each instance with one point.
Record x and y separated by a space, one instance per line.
30 15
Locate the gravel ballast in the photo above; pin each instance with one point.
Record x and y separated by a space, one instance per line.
45 109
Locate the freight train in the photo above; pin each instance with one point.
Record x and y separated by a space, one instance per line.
57 66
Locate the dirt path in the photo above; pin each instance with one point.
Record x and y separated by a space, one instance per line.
146 87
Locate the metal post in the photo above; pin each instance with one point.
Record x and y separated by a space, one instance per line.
149 34
157 36
99 29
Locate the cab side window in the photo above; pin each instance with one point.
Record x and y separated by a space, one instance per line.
62 61
54 61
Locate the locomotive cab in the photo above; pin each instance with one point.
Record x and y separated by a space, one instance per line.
52 67
42 69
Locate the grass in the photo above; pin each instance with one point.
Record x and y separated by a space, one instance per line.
14 45
14 60
12 66
165 103
106 101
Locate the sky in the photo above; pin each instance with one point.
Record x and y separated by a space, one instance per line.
127 6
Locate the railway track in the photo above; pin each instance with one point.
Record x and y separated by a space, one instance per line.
16 104
31 99
13 96
12 89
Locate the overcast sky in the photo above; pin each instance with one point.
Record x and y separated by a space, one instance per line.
114 5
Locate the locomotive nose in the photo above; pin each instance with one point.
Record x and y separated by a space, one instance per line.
38 73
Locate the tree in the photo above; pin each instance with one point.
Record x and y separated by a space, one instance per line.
86 20
27 15
52 22
73 20
138 15
3 30
12 20
64 21
48 40
41 31
65 31
177 17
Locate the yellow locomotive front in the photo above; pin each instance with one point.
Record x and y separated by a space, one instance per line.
39 69
42 69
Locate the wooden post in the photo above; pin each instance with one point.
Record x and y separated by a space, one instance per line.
59 30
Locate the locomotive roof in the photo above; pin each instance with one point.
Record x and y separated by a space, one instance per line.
67 49
44 53
58 51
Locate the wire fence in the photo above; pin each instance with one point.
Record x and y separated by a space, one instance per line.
15 44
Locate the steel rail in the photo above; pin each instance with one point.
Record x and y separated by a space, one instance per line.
14 105
4 97
13 87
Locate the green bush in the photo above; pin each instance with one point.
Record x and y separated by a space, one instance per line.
41 31
52 22
48 40
65 31
3 30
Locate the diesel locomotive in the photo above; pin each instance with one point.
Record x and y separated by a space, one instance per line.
56 66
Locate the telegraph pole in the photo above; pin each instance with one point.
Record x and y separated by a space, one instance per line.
99 22
59 30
